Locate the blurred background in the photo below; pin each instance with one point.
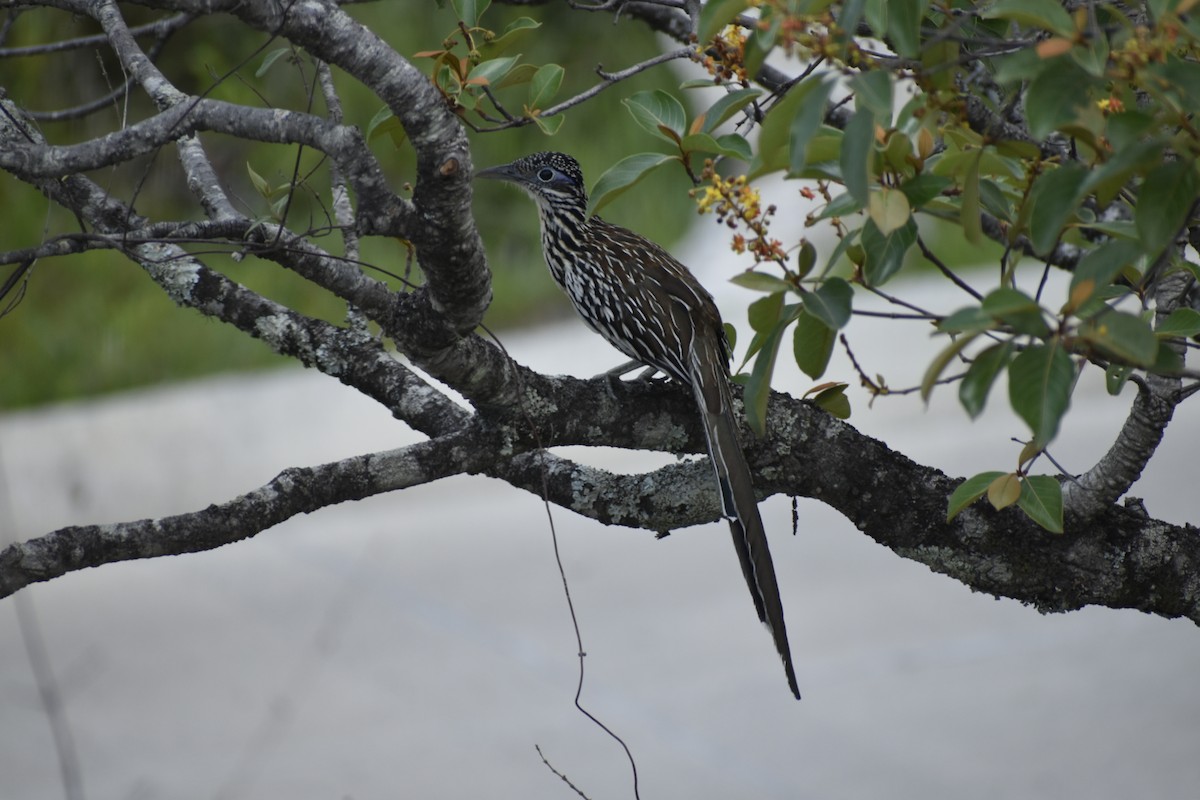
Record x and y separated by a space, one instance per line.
418 644
88 330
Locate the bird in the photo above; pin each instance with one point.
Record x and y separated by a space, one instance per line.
649 306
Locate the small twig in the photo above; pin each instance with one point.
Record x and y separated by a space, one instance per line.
562 572
894 315
881 389
896 301
619 5
937 262
607 80
561 777
160 28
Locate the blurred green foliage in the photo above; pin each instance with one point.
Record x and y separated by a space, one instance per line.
95 323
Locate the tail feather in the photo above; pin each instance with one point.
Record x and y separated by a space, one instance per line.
739 505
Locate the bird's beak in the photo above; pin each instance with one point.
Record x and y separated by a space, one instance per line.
504 172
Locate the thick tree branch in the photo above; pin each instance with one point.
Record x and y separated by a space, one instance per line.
1122 559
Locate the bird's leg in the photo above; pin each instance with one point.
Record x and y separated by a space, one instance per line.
629 366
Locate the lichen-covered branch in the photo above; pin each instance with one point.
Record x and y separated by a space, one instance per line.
294 491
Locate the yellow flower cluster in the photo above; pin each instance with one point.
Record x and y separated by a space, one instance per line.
733 37
735 201
722 56
730 197
708 198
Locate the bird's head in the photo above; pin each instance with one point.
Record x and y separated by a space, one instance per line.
554 180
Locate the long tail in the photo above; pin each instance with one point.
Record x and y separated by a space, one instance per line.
740 505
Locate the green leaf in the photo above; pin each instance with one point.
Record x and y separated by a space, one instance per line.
510 34
1179 80
1135 158
821 156
831 302
762 315
812 345
760 282
858 150
904 26
805 123
544 84
1118 229
731 144
469 11
1123 337
889 209
278 207
490 71
1128 128
852 11
969 491
725 108
834 401
623 175
1101 300
977 383
936 367
1020 65
381 116
1092 55
758 387
549 125
1166 198
1040 381
1054 198
872 91
876 12
1035 13
761 40
806 258
923 188
270 60
656 111
885 254
735 145
969 216
1004 491
776 131
1115 378
840 206
1168 362
1102 265
898 153
521 73
971 318
1056 95
1184 322
1017 309
940 63
1041 500
261 184
715 15
1158 8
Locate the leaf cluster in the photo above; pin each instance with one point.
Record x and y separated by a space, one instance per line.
1061 135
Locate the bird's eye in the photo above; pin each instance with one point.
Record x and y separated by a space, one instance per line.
545 174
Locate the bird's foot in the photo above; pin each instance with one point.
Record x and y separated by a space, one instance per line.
647 373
